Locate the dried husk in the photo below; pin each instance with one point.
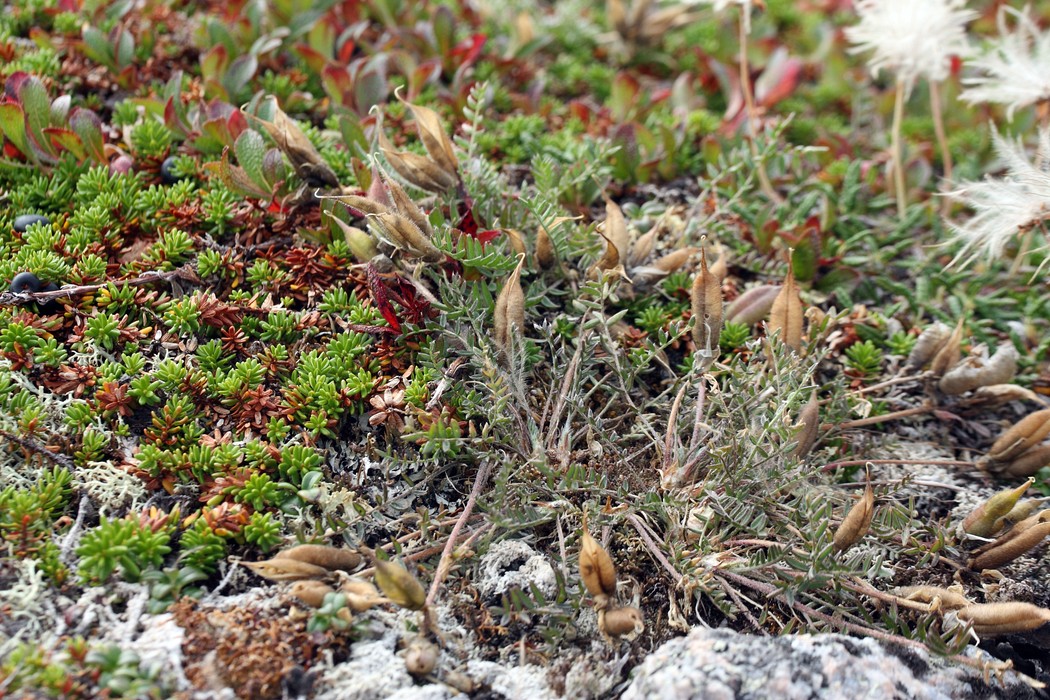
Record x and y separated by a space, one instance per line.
419 170
435 140
406 236
991 619
545 256
706 299
753 305
515 240
365 205
596 570
404 205
786 314
509 313
856 523
421 656
625 622
361 595
1007 548
306 160
311 592
1025 464
947 356
999 394
672 261
981 521
1025 434
641 248
617 241
975 371
286 569
397 584
331 558
929 343
809 422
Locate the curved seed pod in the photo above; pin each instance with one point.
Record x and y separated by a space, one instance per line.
1026 433
856 523
510 310
719 268
1027 463
641 248
361 595
596 569
331 558
1013 547
359 242
421 656
365 205
1019 528
929 343
944 598
949 353
672 261
435 140
311 592
615 229
515 240
706 299
753 305
627 622
304 157
399 585
418 170
285 569
404 205
990 619
983 518
999 394
406 236
809 420
974 372
1021 515
545 256
786 314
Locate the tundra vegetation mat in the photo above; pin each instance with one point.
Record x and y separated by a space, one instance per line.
529 330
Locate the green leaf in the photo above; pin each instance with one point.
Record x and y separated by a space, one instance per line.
13 125
239 73
214 62
97 47
250 149
65 140
125 49
37 108
88 127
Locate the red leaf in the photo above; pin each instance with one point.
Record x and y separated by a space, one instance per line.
379 296
469 50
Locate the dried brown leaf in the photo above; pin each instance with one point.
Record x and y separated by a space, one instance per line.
706 299
331 558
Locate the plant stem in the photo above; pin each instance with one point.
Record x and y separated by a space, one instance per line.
752 113
861 462
938 128
895 145
873 420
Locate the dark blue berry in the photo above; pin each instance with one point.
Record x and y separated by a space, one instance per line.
167 175
25 282
26 220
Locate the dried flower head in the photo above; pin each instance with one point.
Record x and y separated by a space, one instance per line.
912 39
1015 68
1005 206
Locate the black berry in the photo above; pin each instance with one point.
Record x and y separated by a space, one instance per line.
26 220
167 175
25 282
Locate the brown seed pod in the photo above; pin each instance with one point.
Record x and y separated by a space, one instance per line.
1025 434
672 261
856 523
406 236
999 394
991 619
404 205
285 569
949 353
786 314
929 343
706 298
941 598
421 657
399 585
981 520
365 205
361 595
976 371
596 569
435 140
753 305
1023 515
641 248
1027 463
809 422
720 268
545 256
1004 552
419 170
509 313
331 558
301 152
311 592
621 622
615 229
515 240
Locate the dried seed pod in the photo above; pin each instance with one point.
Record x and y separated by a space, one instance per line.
1023 513
435 140
361 595
406 236
399 585
672 261
641 248
460 681
975 372
515 240
1007 548
856 523
991 619
949 353
331 558
706 298
360 243
365 205
983 518
421 656
285 569
311 592
419 170
404 205
719 268
753 305
627 622
509 313
1026 433
545 256
596 569
615 229
999 394
301 152
938 598
1027 463
929 343
809 421
786 314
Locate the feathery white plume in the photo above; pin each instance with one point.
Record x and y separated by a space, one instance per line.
1016 68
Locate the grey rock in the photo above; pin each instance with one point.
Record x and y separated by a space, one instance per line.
513 563
723 665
